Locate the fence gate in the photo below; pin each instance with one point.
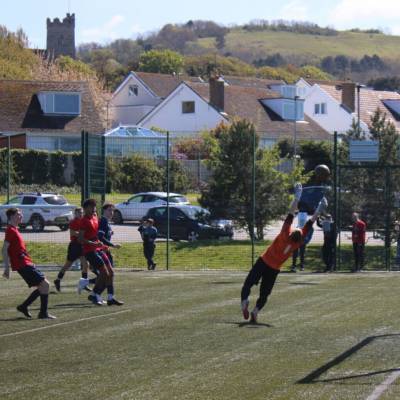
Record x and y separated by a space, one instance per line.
94 167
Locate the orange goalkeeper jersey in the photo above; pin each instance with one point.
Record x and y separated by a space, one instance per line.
282 247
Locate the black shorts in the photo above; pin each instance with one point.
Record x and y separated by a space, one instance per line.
97 259
31 275
74 251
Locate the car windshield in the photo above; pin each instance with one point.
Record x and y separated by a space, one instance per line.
55 200
197 213
177 199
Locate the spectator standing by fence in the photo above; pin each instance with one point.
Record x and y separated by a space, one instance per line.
329 241
359 229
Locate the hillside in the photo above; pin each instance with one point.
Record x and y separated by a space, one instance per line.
249 45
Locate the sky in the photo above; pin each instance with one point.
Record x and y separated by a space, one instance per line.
103 21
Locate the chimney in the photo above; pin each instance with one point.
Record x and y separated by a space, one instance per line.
217 93
349 95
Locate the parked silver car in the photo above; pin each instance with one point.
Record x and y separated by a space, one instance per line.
136 207
39 210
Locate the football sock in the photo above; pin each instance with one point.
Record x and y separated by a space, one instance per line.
255 311
44 298
84 275
245 303
92 281
31 298
60 275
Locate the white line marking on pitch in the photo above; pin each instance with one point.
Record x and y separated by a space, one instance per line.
63 323
383 386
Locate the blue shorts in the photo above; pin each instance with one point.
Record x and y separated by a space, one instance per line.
97 259
31 275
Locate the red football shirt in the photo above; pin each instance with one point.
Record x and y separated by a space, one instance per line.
19 257
75 225
90 227
358 232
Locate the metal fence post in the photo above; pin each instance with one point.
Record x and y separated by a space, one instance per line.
8 167
253 198
168 219
335 198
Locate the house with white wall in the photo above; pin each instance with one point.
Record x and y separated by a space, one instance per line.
335 105
193 107
139 93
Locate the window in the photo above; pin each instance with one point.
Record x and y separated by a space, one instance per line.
29 200
178 199
133 90
176 214
135 199
55 200
61 103
188 107
320 108
15 200
157 212
149 199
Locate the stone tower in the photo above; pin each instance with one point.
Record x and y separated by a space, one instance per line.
61 37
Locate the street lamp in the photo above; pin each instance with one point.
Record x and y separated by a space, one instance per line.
295 129
8 162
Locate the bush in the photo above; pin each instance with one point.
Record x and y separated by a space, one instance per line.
136 174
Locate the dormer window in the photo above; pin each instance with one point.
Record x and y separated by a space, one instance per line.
133 90
60 103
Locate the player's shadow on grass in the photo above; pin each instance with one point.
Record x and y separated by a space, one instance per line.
249 324
313 377
15 319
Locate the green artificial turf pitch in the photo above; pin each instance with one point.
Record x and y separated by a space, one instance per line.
180 335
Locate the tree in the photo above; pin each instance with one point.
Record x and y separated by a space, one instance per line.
161 61
229 193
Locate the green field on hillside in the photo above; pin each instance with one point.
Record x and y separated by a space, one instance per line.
181 336
314 47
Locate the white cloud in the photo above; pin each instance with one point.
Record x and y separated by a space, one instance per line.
108 31
294 10
365 12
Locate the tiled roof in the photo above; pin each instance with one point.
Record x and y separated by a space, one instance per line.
244 102
163 84
251 81
20 109
370 101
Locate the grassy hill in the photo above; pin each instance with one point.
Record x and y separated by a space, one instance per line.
258 44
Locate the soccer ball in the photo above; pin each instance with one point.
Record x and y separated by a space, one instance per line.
322 173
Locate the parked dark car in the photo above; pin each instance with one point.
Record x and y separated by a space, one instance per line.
189 223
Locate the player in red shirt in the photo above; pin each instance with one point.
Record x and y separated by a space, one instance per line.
93 249
268 266
74 250
15 253
359 229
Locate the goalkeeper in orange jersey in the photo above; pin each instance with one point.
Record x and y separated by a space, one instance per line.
268 265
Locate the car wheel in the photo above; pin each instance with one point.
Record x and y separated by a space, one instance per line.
192 236
64 227
117 217
37 223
